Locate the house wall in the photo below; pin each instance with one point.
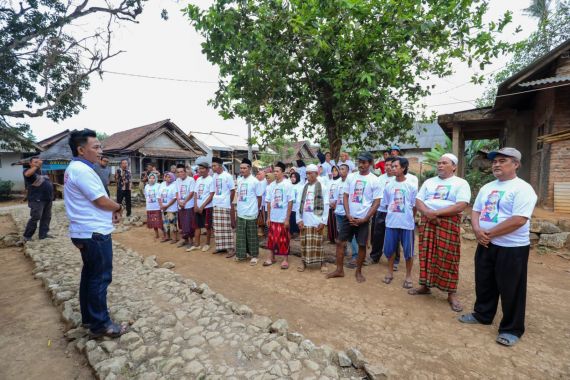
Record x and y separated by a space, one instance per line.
162 141
12 173
559 170
519 136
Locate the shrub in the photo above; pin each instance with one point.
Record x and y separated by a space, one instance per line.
476 180
5 189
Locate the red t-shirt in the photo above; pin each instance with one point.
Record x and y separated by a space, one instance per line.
381 165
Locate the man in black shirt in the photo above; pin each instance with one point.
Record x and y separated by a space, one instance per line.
40 197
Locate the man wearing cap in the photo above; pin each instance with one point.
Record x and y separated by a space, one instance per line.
204 190
501 222
224 216
312 218
279 204
441 200
395 151
249 193
361 199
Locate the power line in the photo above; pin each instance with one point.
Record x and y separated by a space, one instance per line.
160 78
468 82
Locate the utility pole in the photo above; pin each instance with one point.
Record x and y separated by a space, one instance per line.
249 148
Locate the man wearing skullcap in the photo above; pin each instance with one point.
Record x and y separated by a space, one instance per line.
224 220
441 200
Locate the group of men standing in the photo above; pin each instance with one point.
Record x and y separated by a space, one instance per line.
363 203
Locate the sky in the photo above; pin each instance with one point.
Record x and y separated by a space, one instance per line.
171 49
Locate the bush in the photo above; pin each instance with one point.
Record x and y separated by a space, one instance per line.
5 189
476 180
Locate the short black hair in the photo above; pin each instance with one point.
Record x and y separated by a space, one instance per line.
403 163
390 159
79 138
181 166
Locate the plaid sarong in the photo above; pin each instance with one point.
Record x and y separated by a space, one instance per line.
278 239
312 251
154 219
186 222
223 233
332 230
440 248
247 241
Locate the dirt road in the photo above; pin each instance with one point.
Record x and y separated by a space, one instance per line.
411 336
32 345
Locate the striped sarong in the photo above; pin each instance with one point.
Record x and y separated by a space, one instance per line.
312 251
440 248
278 239
332 231
154 219
186 222
247 240
223 233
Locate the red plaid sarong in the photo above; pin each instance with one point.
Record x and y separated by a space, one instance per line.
278 239
440 248
223 232
154 219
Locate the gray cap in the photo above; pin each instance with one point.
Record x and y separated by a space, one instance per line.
506 151
365 156
203 161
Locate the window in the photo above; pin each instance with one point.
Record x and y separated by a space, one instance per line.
539 133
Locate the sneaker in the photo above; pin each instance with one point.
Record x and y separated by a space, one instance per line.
205 248
193 248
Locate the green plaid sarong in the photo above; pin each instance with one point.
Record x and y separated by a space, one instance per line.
246 238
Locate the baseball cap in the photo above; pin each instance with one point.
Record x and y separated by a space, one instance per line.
506 151
203 161
365 156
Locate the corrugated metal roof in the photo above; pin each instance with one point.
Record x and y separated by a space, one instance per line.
427 135
550 80
223 141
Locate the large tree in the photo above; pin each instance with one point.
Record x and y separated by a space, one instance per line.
48 50
344 69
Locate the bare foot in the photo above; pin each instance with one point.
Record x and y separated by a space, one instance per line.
359 277
336 273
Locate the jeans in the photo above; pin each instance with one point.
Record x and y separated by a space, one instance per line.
353 244
96 275
126 195
39 211
378 235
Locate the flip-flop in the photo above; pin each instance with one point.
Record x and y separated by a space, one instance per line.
507 339
416 292
301 268
387 279
269 263
230 255
407 284
455 306
469 319
164 240
324 269
284 265
253 261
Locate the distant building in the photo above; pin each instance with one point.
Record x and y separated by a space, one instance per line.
10 165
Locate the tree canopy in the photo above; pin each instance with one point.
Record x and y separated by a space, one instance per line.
349 70
47 54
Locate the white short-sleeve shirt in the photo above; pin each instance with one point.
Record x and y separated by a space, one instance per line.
203 188
309 218
82 186
278 197
248 189
437 193
224 184
497 201
151 194
399 199
168 193
184 188
362 190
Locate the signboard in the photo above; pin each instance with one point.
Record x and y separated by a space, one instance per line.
55 165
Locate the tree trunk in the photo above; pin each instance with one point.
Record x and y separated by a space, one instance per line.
331 126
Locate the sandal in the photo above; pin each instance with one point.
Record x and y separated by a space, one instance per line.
301 268
253 261
173 241
284 265
388 279
469 319
114 330
324 269
417 292
507 339
230 255
455 305
163 240
269 263
407 284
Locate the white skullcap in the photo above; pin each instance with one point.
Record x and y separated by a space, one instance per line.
451 157
312 168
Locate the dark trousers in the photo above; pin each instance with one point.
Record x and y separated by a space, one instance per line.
96 275
501 272
40 211
378 234
126 195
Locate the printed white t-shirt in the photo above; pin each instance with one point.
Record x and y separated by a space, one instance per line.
278 197
413 179
384 181
203 188
333 187
184 188
296 193
168 193
224 184
248 189
497 201
399 199
309 218
81 187
339 197
327 170
362 190
437 193
151 194
263 186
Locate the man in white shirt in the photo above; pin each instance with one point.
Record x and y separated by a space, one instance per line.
279 204
249 193
441 200
185 198
224 214
327 166
501 222
312 218
91 216
203 195
399 199
345 160
360 200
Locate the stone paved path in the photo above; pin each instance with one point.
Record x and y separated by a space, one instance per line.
180 329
